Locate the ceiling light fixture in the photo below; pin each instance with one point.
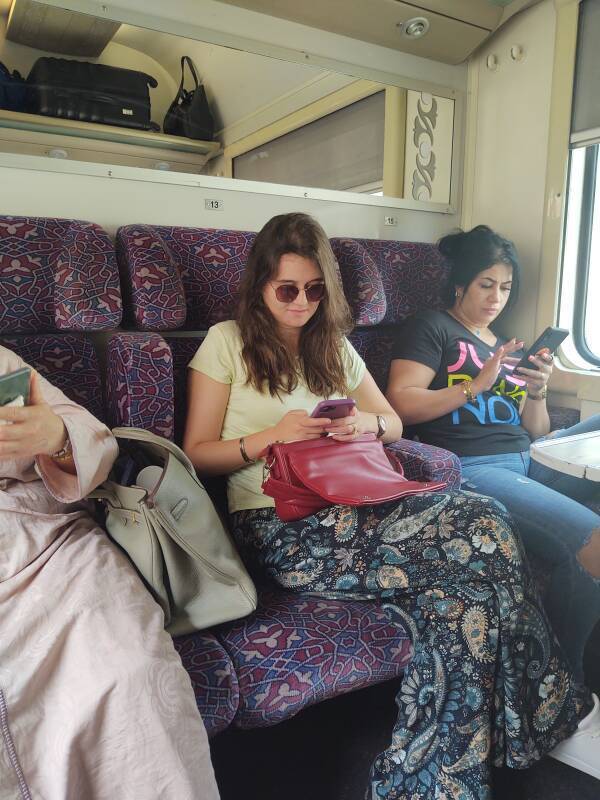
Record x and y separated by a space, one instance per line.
414 28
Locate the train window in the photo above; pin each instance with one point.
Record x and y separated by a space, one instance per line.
342 150
367 138
581 251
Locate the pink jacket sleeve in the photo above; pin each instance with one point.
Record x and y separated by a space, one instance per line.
94 447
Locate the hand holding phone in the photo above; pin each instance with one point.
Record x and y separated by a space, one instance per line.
334 409
36 428
550 339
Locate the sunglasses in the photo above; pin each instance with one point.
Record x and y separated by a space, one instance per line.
287 292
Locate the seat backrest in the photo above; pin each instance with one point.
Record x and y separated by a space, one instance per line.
59 278
385 282
181 279
404 277
187 279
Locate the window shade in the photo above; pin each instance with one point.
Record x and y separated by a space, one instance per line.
340 151
586 101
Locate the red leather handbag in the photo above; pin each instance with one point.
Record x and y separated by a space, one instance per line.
306 476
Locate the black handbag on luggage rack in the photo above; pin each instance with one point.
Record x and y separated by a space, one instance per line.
12 90
189 114
81 90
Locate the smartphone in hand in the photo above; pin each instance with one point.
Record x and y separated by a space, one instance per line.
334 409
15 385
551 338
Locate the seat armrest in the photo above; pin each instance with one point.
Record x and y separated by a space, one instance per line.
423 462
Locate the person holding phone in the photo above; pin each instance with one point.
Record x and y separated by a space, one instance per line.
446 562
94 700
459 386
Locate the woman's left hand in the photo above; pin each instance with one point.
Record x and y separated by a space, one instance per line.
34 430
348 428
537 379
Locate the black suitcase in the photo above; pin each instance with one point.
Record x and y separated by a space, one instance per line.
61 87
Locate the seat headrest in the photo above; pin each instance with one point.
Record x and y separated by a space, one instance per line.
57 274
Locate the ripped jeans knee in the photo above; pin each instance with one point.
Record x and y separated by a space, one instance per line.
588 556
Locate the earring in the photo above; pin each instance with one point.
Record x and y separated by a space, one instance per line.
456 293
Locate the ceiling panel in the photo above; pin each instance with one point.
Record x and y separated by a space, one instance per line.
449 40
58 31
476 12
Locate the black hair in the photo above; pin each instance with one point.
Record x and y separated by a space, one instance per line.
471 252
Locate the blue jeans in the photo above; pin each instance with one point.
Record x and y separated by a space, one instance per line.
554 525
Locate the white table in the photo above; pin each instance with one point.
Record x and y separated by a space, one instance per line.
577 455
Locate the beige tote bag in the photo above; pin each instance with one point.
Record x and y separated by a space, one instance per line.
168 526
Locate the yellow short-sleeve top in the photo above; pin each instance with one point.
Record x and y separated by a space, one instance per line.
249 411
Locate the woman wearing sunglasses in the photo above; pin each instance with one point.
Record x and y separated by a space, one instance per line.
488 683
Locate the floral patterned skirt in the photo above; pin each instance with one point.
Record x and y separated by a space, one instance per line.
488 683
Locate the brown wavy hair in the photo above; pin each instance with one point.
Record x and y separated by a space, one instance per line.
268 360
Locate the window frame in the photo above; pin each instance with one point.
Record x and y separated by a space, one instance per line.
584 244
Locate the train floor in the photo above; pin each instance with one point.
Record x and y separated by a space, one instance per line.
325 752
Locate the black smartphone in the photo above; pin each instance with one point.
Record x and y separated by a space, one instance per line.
15 385
550 338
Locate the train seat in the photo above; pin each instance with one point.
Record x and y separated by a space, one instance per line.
297 650
385 282
214 679
294 651
60 284
180 279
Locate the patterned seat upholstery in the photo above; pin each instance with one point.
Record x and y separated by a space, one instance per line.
213 678
58 275
562 417
60 283
385 282
403 277
180 278
140 382
68 360
297 650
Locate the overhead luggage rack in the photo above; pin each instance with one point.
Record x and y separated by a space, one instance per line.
88 141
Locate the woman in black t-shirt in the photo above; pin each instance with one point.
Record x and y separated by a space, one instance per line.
455 381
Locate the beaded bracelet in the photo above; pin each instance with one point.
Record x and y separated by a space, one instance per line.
467 391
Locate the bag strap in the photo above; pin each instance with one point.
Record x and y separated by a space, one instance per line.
146 437
187 60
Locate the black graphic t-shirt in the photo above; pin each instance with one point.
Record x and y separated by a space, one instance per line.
489 426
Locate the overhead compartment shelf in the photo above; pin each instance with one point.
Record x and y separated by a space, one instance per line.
32 134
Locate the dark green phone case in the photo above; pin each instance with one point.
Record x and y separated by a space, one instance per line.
15 384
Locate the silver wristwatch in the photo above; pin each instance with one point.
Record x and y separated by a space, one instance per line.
381 425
